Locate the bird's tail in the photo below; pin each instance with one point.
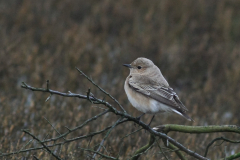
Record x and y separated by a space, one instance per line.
184 114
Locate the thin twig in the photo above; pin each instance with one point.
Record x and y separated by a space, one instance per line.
175 149
70 94
101 89
217 139
54 155
78 127
143 149
62 143
160 148
106 136
26 145
53 126
121 141
96 152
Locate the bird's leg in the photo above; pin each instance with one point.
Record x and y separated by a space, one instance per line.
151 120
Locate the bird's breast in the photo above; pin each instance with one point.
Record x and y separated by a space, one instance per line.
138 101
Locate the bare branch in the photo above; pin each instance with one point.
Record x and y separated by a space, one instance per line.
69 94
175 149
101 89
62 143
99 153
106 136
78 127
160 148
44 146
143 149
53 127
123 114
217 139
125 137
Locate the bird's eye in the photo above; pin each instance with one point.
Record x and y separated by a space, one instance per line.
139 67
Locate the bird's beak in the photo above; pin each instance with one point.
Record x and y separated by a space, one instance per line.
128 65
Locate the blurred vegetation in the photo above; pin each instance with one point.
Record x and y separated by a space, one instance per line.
196 44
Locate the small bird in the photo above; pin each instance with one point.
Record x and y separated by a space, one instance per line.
149 92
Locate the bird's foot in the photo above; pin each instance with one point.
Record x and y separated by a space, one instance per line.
151 121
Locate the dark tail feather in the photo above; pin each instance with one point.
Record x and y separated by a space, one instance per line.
184 114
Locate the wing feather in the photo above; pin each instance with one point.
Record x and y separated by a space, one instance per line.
154 90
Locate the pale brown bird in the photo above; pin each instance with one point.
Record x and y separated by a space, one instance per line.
149 92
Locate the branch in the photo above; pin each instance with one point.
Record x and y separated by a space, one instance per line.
162 135
201 129
217 139
159 131
44 146
144 148
197 129
123 114
69 94
237 155
78 127
160 148
175 149
101 89
106 136
125 137
99 153
61 143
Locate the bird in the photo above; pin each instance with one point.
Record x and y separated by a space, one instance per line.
149 92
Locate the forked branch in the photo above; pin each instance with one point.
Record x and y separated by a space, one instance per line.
159 131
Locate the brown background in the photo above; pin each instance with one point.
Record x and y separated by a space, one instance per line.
194 43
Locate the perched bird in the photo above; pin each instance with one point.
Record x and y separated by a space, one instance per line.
149 92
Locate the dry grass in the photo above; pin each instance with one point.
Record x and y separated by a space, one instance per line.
196 44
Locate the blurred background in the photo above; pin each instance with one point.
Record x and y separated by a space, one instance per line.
196 44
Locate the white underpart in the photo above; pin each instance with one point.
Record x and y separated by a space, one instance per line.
157 107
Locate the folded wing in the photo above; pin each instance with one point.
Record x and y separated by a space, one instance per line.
158 92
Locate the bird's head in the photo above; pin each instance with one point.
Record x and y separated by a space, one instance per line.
141 66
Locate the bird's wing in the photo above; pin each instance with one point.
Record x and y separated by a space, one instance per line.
154 90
